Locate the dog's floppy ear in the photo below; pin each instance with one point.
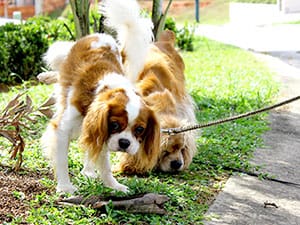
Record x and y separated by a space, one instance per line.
167 36
151 143
146 158
95 129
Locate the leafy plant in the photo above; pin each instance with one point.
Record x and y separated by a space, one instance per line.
184 36
23 46
11 125
4 58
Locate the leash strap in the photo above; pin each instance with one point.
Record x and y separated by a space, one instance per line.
177 130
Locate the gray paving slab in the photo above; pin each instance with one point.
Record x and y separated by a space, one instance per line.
242 203
268 38
242 199
290 57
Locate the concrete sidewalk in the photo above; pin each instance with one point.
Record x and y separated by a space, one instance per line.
241 202
268 38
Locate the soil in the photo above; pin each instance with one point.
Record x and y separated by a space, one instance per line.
17 189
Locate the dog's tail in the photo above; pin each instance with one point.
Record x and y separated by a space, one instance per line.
57 53
134 32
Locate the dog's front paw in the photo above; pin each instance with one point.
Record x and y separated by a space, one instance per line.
121 187
89 173
66 188
117 186
48 77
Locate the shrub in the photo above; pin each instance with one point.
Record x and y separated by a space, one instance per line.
184 35
22 47
185 38
3 64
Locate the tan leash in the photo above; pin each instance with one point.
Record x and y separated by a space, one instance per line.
177 130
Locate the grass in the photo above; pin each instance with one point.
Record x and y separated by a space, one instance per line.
216 12
223 81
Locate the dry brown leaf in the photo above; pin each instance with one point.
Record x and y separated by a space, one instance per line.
47 112
11 125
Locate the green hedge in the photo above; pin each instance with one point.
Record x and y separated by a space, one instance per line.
22 47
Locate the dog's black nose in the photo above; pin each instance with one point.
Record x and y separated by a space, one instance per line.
124 143
176 164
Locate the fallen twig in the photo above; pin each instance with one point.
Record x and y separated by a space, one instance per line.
266 204
146 203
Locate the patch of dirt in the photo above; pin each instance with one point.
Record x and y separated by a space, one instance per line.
17 189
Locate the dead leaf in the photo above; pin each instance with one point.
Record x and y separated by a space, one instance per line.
12 121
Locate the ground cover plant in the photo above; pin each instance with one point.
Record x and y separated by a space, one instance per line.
223 81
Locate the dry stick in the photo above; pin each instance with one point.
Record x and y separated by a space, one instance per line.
146 203
172 131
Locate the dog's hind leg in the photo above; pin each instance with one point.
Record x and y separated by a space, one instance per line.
56 141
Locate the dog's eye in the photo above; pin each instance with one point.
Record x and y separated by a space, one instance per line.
165 153
114 127
139 130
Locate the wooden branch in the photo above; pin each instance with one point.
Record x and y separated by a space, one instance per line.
145 203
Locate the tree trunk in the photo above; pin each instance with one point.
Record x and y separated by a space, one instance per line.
80 9
158 17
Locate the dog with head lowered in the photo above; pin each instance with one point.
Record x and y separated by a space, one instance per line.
161 84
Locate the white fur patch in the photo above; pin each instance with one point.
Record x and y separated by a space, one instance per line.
134 32
57 53
107 40
113 142
72 119
114 80
104 40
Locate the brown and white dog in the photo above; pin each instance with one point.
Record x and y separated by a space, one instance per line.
97 103
162 86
